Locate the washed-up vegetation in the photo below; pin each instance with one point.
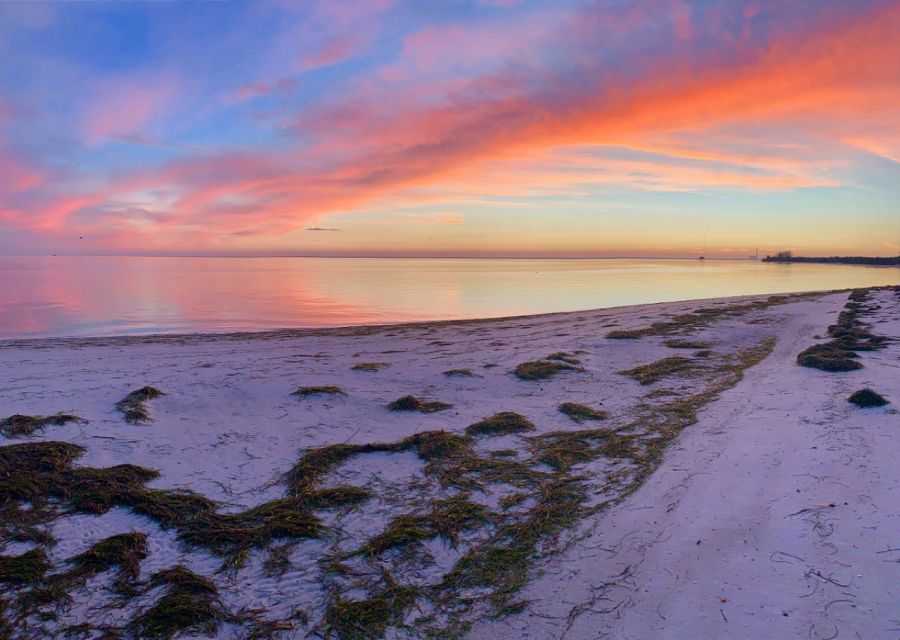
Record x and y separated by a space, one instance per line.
327 390
26 569
123 552
412 403
132 405
459 373
865 398
348 619
656 371
541 369
369 366
564 449
430 446
689 322
446 519
498 513
580 412
19 426
547 494
500 424
190 603
37 472
849 335
681 343
494 568
42 474
829 357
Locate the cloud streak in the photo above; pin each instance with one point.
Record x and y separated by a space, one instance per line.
747 97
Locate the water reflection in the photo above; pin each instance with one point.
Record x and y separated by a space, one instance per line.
57 296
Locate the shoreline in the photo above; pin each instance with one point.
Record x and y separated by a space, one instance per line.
357 329
525 435
863 261
774 516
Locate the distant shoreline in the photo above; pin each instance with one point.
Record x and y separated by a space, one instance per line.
686 258
881 262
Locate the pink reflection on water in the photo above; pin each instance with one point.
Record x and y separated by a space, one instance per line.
57 296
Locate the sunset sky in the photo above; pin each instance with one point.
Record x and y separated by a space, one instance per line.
450 127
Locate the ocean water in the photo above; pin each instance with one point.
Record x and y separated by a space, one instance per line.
92 296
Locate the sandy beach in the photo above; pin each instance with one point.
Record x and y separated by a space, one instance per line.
664 470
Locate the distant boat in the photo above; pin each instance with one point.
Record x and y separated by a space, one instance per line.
701 258
754 257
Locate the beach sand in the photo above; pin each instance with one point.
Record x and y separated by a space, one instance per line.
726 493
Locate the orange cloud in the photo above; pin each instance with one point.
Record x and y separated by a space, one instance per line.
502 133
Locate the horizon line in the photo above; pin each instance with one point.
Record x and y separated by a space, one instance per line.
746 258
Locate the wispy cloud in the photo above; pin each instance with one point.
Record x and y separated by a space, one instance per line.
524 101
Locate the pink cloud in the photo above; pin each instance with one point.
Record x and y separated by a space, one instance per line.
336 50
401 135
16 177
123 107
254 89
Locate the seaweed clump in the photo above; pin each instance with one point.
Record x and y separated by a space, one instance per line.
446 519
125 551
500 424
132 405
502 564
190 602
369 366
829 357
412 403
865 398
561 450
367 619
326 390
26 569
849 335
36 472
20 426
580 412
689 322
656 371
541 369
430 446
681 343
459 373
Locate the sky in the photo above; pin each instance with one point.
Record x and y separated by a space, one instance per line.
530 128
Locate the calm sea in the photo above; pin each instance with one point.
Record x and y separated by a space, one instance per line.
75 296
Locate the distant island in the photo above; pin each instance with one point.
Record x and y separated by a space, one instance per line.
787 256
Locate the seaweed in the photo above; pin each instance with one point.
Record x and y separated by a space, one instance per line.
190 602
541 369
330 390
865 398
20 426
369 366
500 424
656 371
411 403
580 412
132 405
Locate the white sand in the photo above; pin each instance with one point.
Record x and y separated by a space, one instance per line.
706 548
776 516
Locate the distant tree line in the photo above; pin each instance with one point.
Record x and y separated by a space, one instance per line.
788 256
